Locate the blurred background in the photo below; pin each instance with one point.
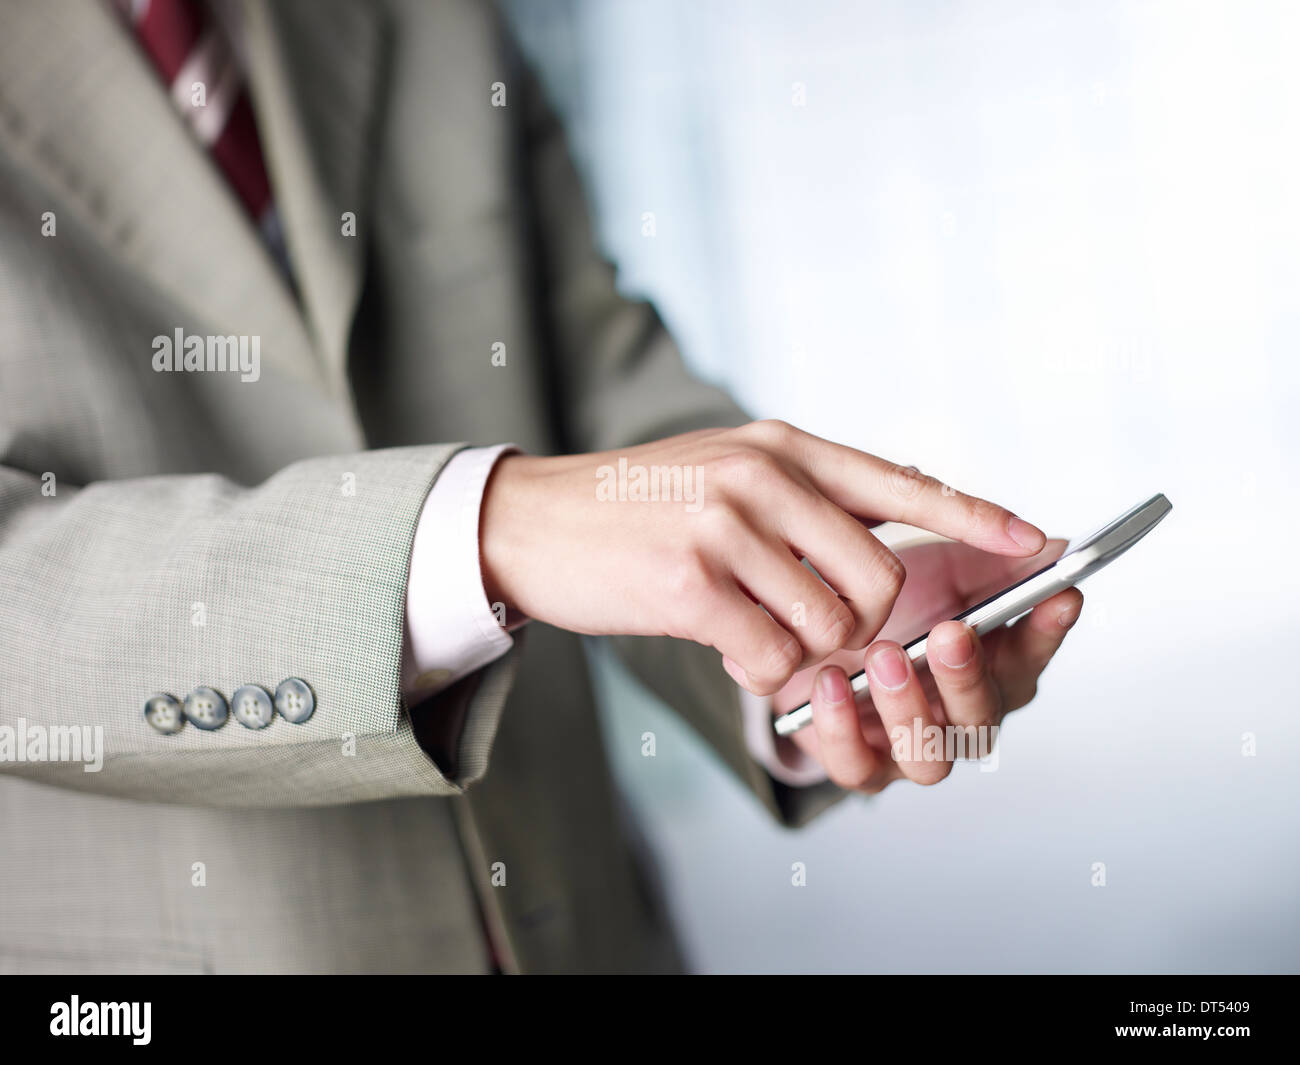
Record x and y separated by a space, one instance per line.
1048 253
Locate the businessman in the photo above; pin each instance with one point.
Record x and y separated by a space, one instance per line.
323 431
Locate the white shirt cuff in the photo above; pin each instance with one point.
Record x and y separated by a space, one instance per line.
451 629
784 760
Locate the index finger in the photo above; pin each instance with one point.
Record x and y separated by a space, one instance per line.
874 488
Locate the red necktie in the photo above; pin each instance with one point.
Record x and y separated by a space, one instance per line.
188 48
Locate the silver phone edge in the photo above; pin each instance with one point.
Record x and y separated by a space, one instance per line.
1068 571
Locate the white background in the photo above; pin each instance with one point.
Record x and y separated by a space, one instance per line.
1048 253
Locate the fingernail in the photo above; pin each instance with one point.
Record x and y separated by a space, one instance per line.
1027 536
888 668
735 672
1067 617
954 646
833 685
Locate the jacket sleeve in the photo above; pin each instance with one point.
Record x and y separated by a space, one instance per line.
624 383
122 590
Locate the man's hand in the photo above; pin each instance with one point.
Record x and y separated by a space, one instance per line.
969 682
569 541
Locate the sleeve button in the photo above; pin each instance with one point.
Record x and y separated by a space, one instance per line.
206 708
252 706
163 712
295 700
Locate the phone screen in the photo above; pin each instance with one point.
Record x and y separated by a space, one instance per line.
958 608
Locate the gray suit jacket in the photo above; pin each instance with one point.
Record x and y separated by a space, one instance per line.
163 530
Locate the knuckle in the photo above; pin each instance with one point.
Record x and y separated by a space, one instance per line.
837 626
778 660
960 683
863 632
907 482
719 523
773 430
891 575
689 580
746 470
978 514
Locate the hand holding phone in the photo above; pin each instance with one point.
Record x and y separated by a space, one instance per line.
1081 559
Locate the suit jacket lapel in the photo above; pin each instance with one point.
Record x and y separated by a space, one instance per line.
314 70
81 107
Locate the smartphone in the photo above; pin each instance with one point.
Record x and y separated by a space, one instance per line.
1081 558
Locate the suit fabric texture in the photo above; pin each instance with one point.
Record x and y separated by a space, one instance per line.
208 530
